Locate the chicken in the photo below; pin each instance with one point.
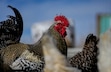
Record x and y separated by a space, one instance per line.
11 29
86 60
20 56
104 58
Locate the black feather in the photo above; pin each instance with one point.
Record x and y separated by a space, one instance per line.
11 29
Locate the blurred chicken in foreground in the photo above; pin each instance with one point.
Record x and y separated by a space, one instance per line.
54 60
104 57
87 59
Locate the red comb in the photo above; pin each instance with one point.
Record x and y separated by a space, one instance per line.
63 19
61 25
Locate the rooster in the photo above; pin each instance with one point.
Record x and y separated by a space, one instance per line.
58 32
87 59
11 29
20 56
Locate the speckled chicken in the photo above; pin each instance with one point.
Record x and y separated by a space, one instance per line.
87 59
20 56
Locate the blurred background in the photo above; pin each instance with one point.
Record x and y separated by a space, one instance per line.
85 16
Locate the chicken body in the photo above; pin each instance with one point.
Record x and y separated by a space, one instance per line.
17 57
87 59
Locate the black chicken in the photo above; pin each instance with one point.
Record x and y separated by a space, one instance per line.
87 59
